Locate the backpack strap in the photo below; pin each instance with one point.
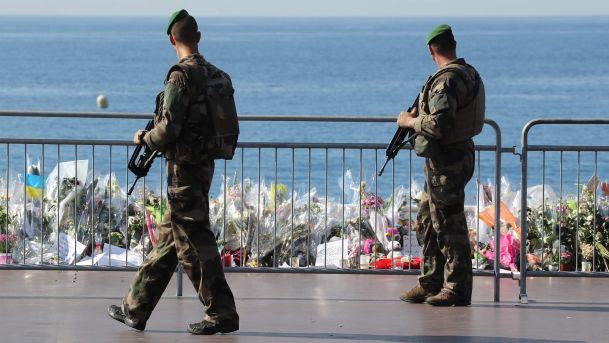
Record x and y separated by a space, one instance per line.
176 67
461 74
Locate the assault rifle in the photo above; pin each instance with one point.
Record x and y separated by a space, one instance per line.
140 163
401 137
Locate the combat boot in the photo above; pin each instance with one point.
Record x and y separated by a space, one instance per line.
417 295
116 313
209 328
448 298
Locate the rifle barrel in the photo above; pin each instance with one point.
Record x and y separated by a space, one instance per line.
384 165
133 185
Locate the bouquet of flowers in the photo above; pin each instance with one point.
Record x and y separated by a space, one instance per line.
562 221
234 218
369 201
7 241
593 229
103 212
6 218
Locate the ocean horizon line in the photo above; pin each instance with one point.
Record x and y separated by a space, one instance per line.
537 16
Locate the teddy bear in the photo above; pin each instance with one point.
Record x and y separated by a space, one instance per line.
394 245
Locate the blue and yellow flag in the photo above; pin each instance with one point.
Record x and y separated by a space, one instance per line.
33 186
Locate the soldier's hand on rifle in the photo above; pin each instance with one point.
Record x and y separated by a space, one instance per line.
406 119
138 137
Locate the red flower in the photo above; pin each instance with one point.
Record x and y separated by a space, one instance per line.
605 188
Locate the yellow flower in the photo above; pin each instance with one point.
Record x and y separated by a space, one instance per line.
587 251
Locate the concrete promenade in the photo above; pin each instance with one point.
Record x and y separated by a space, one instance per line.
70 306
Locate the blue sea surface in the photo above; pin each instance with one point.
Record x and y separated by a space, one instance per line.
532 68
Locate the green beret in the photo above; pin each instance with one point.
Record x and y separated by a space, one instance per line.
438 30
175 17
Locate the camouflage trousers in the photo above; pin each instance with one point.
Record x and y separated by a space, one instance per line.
442 225
185 237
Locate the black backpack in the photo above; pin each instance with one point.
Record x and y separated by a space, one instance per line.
215 104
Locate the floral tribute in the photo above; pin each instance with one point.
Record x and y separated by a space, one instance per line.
72 217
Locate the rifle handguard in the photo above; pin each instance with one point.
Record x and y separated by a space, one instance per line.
139 164
401 137
399 147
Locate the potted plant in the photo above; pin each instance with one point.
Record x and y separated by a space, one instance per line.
7 241
587 252
565 261
554 265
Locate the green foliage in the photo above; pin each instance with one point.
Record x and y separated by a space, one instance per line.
6 219
117 239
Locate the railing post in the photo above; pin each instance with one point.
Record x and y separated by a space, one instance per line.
497 198
179 277
497 203
522 296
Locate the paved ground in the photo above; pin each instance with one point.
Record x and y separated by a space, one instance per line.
53 306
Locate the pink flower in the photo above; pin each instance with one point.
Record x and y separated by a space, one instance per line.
370 201
368 246
507 253
562 209
392 231
565 257
234 192
10 238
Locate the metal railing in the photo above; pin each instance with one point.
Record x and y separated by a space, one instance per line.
560 224
329 159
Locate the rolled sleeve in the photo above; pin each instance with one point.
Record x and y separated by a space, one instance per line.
150 141
418 122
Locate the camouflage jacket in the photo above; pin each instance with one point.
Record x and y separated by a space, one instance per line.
451 104
172 133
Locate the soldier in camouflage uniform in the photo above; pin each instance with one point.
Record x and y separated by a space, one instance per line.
450 113
185 235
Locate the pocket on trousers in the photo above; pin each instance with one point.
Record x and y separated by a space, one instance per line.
439 179
179 198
